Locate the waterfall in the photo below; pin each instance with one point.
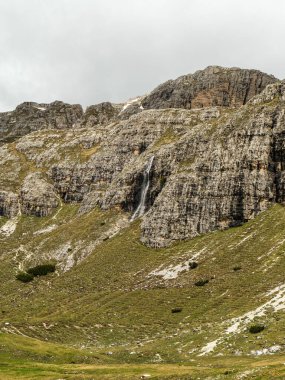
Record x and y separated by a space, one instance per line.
144 189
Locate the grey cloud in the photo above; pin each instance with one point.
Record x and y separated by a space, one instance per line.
88 51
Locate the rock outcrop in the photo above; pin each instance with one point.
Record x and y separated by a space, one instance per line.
131 107
214 86
31 116
100 114
37 196
213 166
9 204
225 178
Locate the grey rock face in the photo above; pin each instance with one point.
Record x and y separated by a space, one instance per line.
119 148
9 204
212 167
37 196
132 107
30 116
100 114
214 86
116 172
231 175
156 132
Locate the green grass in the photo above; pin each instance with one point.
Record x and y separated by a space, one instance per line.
109 316
110 303
168 137
26 358
111 286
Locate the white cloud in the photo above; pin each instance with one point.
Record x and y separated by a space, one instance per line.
88 51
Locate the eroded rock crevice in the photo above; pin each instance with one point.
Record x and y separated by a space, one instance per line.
217 138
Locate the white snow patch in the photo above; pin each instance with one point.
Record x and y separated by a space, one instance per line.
40 108
9 227
276 303
46 230
170 272
266 351
129 102
209 347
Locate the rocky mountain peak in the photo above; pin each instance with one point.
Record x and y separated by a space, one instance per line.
213 86
214 140
32 116
86 200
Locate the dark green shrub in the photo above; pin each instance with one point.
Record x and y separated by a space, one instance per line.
193 264
201 282
24 277
255 329
162 180
176 310
41 270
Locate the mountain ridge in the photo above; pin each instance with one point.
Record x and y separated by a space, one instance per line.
165 227
102 164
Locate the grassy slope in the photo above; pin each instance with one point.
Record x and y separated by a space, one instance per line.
27 358
108 303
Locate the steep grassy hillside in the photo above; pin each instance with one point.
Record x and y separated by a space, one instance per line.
99 276
26 358
126 303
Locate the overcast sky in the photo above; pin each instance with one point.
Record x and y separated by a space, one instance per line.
90 51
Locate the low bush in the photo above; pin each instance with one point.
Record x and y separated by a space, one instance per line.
176 310
193 265
162 180
201 282
41 270
24 277
255 329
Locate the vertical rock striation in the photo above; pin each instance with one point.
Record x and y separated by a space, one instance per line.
213 86
31 116
37 196
9 204
217 137
236 172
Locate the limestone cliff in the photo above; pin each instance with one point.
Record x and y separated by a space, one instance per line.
37 196
9 204
31 116
225 177
214 86
215 140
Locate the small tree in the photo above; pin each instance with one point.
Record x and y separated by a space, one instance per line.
41 270
24 277
176 310
257 328
193 265
201 282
